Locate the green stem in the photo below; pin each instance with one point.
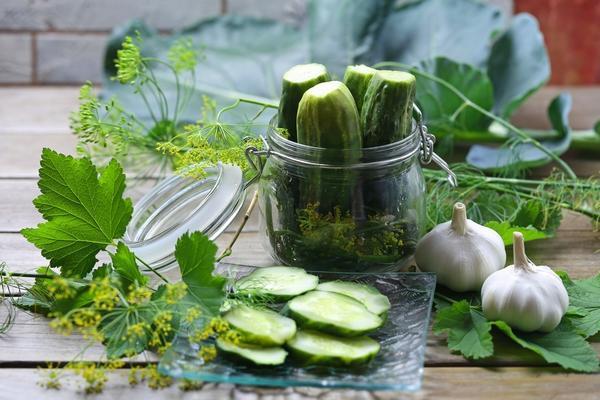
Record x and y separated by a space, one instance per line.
444 297
25 275
524 136
266 104
145 264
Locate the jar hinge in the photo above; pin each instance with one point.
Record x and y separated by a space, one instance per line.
426 151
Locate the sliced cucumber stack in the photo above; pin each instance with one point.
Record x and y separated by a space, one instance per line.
282 283
370 297
262 327
320 348
333 313
251 353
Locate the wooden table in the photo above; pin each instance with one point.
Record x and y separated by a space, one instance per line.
33 118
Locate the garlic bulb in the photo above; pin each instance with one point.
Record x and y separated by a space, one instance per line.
461 252
525 296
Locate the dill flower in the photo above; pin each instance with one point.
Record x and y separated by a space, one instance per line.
133 377
155 379
62 325
129 62
139 295
232 336
106 297
186 385
182 55
175 292
162 322
59 288
52 377
208 353
192 314
94 377
85 318
218 325
136 331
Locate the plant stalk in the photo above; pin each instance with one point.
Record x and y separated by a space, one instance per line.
227 251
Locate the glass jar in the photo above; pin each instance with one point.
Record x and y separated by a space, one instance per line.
343 210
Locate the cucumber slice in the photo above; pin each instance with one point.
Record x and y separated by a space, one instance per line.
320 348
333 313
282 283
252 353
367 295
262 327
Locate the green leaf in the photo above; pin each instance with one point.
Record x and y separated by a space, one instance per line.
468 330
584 297
518 64
444 110
506 230
126 267
115 327
563 346
460 30
195 254
343 32
84 211
525 155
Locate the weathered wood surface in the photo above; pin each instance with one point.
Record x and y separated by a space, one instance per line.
33 118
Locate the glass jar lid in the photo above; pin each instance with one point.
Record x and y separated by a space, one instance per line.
181 204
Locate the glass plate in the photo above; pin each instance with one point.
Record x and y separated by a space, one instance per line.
398 366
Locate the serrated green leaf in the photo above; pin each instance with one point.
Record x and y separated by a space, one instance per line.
85 211
195 254
468 330
563 346
118 341
126 267
506 230
584 298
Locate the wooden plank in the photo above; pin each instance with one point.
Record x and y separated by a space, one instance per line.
466 383
21 152
30 110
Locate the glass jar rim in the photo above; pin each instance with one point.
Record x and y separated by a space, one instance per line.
367 157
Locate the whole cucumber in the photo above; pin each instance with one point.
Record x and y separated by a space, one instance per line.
357 78
386 114
296 81
327 118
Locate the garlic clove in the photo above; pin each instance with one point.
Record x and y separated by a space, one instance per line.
461 252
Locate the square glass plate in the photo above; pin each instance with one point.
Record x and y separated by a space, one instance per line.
398 366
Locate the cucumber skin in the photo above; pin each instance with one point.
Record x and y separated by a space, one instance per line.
312 359
386 114
258 339
291 94
329 122
276 298
358 83
330 287
241 359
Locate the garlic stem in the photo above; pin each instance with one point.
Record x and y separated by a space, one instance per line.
520 258
459 219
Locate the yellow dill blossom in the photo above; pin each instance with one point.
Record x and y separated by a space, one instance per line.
115 364
208 352
129 62
51 379
139 295
59 288
182 55
85 317
186 385
200 335
136 331
134 376
106 297
94 377
175 292
232 336
62 325
155 379
168 148
192 314
218 325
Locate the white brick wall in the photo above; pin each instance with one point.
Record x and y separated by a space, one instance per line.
62 41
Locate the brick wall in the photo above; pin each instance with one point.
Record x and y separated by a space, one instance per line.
62 41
